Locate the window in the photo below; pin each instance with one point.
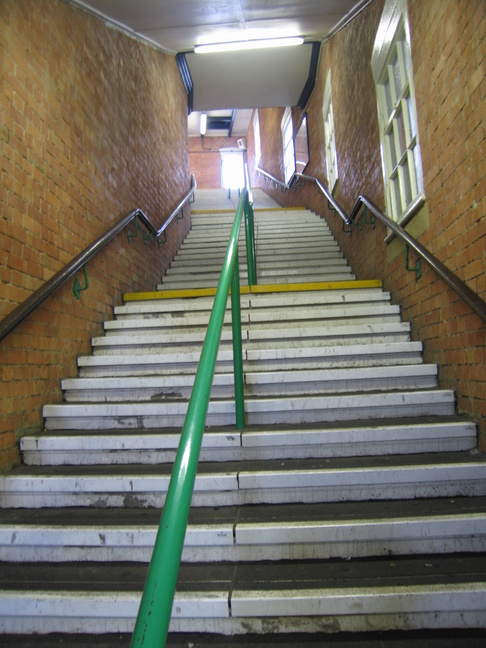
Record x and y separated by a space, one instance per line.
329 141
288 145
257 138
232 170
392 71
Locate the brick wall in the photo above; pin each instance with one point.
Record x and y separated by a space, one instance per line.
93 124
448 53
205 159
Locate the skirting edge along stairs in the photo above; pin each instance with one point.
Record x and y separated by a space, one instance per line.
354 499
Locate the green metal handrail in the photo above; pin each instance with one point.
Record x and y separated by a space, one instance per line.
155 609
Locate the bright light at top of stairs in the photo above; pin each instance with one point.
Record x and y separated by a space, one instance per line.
248 45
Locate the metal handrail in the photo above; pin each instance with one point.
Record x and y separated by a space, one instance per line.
155 609
14 318
471 298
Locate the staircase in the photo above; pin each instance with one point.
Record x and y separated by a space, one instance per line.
353 501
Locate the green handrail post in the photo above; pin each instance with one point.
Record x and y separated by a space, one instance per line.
237 346
250 243
152 624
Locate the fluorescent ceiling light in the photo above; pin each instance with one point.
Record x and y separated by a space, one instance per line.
248 45
203 123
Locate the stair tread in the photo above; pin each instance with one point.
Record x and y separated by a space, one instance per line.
338 512
361 574
259 466
399 639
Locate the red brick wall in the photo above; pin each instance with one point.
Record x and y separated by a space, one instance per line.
93 124
205 159
448 53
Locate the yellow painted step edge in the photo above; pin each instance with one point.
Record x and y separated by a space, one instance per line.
259 289
320 285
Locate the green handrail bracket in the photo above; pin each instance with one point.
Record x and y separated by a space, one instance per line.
417 268
129 233
366 221
77 288
147 237
160 240
155 609
181 211
346 231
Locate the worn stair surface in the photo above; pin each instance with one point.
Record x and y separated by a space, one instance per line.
352 502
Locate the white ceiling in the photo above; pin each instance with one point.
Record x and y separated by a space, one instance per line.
243 80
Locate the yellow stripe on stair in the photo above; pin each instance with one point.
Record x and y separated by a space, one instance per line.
259 289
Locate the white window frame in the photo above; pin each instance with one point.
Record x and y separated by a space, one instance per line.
257 138
391 65
329 136
288 145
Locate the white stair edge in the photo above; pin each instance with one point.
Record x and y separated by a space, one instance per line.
252 541
385 608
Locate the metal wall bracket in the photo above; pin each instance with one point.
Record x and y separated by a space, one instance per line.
161 240
418 266
147 238
346 231
129 233
366 221
77 288
180 212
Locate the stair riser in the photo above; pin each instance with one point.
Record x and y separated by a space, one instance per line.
143 420
203 282
265 390
297 382
183 267
250 445
155 456
382 538
252 489
405 608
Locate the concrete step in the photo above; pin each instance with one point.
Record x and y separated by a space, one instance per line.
123 331
397 593
308 381
321 314
153 360
147 364
204 280
257 533
295 409
356 438
236 483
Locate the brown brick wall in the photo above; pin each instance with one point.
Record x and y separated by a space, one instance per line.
205 159
448 52
93 124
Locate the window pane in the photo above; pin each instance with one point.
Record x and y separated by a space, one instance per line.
397 77
407 187
391 149
400 131
397 202
417 166
388 97
411 116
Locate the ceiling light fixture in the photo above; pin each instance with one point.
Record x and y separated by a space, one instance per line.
248 45
203 124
